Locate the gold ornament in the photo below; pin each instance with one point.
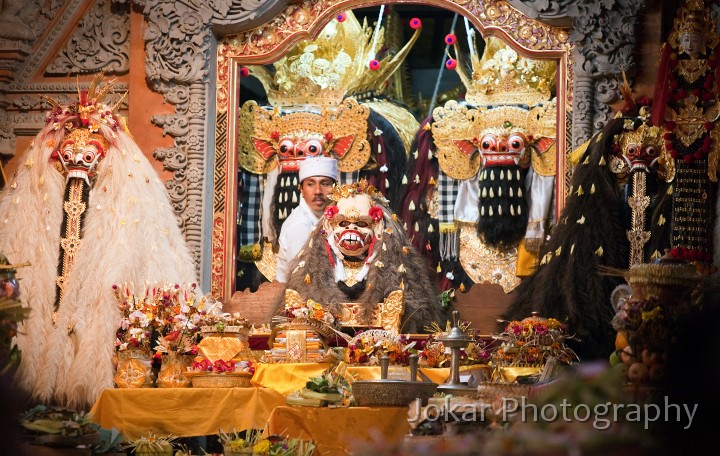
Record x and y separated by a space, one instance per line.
502 76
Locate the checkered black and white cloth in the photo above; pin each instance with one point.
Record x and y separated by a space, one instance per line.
447 189
249 213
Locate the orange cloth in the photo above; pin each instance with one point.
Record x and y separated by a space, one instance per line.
184 412
336 431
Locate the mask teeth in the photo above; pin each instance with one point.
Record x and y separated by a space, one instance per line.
78 175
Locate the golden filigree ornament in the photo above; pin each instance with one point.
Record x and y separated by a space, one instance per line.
361 187
468 138
308 89
268 137
502 76
334 65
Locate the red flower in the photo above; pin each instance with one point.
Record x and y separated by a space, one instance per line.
375 212
330 212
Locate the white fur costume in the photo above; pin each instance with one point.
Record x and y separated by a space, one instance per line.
130 233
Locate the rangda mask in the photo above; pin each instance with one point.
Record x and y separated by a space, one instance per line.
354 222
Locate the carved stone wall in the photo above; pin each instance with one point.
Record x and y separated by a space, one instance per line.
180 49
99 41
604 45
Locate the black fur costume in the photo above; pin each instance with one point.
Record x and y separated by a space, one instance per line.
590 235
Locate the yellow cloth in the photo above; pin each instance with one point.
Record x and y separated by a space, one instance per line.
337 431
509 374
526 261
184 412
287 378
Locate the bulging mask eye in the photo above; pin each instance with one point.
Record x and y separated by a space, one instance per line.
314 147
651 151
286 146
633 150
488 143
516 143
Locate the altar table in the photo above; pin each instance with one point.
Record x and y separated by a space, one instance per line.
336 431
290 377
184 412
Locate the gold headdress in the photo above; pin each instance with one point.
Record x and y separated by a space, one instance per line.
502 76
356 188
334 65
308 88
693 19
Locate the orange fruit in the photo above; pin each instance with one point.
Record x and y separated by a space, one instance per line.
621 340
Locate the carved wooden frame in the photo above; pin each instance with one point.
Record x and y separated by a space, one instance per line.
305 20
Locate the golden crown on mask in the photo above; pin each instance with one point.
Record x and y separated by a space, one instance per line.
310 89
361 187
502 76
323 71
693 19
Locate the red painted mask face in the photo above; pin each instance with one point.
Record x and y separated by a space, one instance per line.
501 146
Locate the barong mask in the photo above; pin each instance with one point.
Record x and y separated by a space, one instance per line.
642 149
80 153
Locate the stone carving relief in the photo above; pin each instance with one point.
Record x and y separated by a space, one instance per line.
17 18
101 42
547 11
20 105
604 38
178 41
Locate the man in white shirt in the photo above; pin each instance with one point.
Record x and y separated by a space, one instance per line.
317 176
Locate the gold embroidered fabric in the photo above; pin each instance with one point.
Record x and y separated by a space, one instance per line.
221 347
74 207
485 264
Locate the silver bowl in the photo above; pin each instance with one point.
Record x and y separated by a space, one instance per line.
395 393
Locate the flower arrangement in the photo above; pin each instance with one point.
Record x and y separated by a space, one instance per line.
222 366
220 323
434 354
168 315
368 346
307 310
532 341
252 443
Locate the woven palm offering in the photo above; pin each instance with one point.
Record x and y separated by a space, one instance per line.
301 332
526 345
221 374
